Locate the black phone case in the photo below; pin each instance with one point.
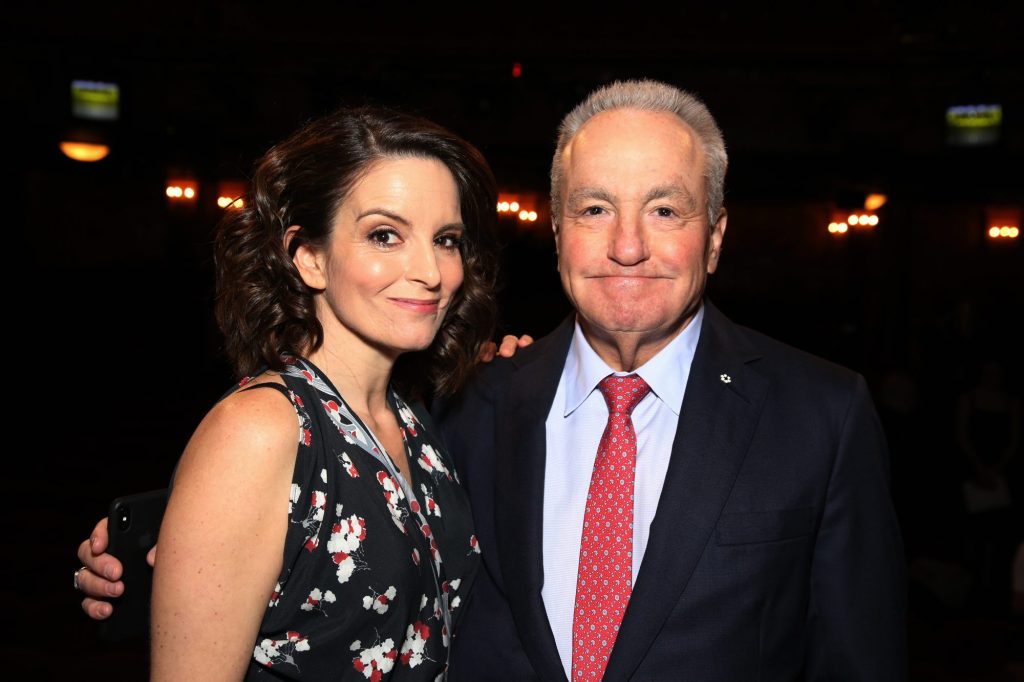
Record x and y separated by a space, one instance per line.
133 523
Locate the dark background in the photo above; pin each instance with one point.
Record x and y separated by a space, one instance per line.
115 356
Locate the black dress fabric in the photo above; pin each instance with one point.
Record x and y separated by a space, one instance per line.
375 568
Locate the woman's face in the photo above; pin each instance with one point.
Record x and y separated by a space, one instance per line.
392 263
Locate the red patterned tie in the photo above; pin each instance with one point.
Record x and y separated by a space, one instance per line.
604 582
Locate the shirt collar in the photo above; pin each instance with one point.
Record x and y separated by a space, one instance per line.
666 373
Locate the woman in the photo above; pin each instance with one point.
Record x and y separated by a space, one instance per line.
360 271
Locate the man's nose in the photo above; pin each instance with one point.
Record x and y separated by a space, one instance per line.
628 244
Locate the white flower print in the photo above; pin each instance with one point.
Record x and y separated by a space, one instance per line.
379 602
433 508
293 497
416 636
275 596
315 600
305 435
376 661
344 546
408 418
429 534
474 545
314 517
347 465
272 652
453 585
392 495
431 462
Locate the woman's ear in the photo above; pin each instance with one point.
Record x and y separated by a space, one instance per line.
308 261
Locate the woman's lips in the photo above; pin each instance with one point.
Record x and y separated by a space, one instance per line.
417 305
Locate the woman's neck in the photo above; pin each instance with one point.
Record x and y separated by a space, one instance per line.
361 373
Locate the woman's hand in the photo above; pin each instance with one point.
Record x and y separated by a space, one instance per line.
509 345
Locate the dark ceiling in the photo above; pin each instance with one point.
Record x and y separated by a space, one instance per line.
862 89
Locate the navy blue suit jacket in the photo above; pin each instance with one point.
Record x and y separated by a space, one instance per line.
774 553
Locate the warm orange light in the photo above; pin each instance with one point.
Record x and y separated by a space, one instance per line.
178 190
84 151
524 214
532 217
853 219
228 202
513 206
503 206
838 228
873 202
872 220
1004 232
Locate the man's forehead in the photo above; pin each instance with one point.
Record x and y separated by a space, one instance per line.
623 136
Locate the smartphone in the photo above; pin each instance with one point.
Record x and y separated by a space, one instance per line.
133 523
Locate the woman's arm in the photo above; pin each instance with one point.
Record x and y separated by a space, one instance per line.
222 538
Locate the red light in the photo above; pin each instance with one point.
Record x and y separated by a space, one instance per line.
517 70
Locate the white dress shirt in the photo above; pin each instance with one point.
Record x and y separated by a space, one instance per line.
573 428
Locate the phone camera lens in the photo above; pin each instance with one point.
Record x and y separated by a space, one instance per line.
124 518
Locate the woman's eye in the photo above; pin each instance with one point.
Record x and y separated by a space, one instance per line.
384 237
450 242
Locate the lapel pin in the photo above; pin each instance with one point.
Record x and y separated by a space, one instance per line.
726 379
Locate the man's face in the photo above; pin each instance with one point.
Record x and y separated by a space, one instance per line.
634 248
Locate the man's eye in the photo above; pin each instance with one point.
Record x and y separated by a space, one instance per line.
664 212
593 210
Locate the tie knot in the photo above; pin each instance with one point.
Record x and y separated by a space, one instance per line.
623 393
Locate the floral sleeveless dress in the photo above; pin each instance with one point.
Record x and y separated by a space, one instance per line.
375 568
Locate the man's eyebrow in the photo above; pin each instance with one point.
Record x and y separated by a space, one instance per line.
390 215
589 194
672 192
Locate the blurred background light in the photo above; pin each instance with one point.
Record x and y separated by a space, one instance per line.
84 151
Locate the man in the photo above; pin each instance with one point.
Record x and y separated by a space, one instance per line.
764 543
738 484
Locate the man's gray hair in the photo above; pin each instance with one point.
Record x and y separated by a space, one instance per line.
648 95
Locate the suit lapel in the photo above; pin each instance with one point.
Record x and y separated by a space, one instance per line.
720 409
519 493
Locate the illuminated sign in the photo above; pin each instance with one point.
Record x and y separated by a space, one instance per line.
974 124
974 116
95 101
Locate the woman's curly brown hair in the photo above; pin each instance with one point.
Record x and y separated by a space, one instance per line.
264 308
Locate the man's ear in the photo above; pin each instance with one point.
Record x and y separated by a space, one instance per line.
715 243
310 262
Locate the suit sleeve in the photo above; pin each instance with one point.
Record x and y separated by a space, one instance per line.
857 609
